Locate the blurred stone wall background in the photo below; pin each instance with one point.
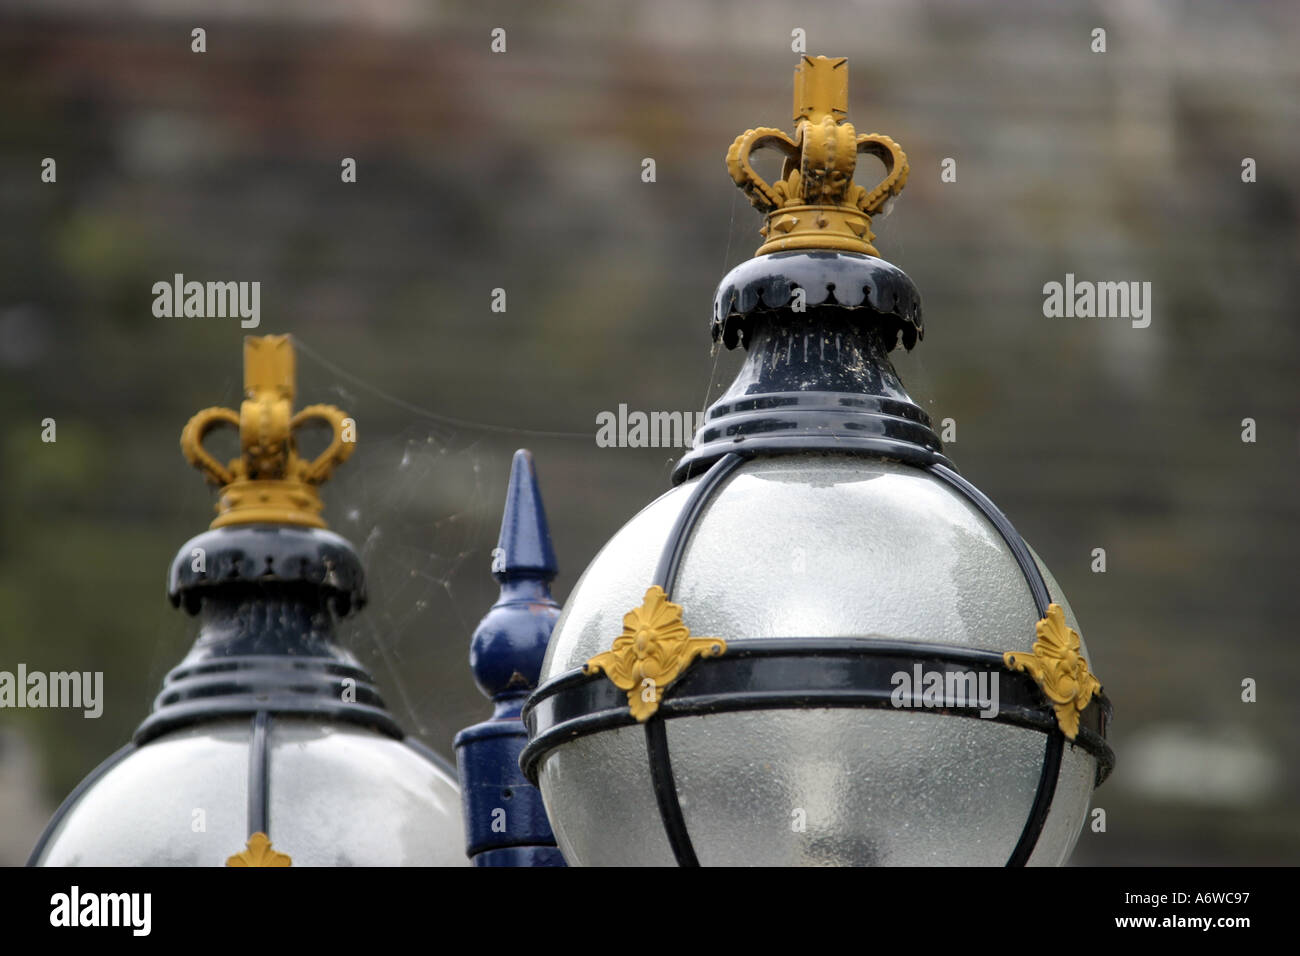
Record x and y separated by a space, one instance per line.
522 170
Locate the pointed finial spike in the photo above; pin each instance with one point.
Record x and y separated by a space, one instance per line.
506 655
524 548
509 644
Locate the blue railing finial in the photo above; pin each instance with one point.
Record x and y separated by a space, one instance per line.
505 822
524 548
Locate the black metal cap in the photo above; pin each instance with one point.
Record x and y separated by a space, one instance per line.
268 597
265 554
876 290
818 327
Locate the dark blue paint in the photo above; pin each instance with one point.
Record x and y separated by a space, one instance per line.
520 856
505 822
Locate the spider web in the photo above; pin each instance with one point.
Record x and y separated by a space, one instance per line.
421 501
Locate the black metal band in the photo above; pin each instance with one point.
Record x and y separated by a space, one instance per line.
670 559
843 430
775 673
1020 550
241 686
665 787
1043 796
1051 771
656 737
259 775
71 799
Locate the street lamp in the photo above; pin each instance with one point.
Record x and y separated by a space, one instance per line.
269 745
823 645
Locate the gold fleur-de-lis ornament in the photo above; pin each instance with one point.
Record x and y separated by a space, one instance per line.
1059 669
654 649
259 852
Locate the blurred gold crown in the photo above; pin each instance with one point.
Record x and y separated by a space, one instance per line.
816 204
269 482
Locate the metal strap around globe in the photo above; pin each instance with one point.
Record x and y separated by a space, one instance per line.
806 673
71 799
801 672
670 559
259 775
1043 796
665 788
656 735
1028 567
1055 747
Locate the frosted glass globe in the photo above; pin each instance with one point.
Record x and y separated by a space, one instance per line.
340 795
815 546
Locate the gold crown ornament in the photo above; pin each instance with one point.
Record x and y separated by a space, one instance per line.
269 482
816 204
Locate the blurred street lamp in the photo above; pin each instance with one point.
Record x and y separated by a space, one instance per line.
834 649
268 730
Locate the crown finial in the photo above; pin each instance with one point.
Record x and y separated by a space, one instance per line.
269 482
816 204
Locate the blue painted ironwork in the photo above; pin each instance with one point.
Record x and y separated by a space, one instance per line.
505 821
